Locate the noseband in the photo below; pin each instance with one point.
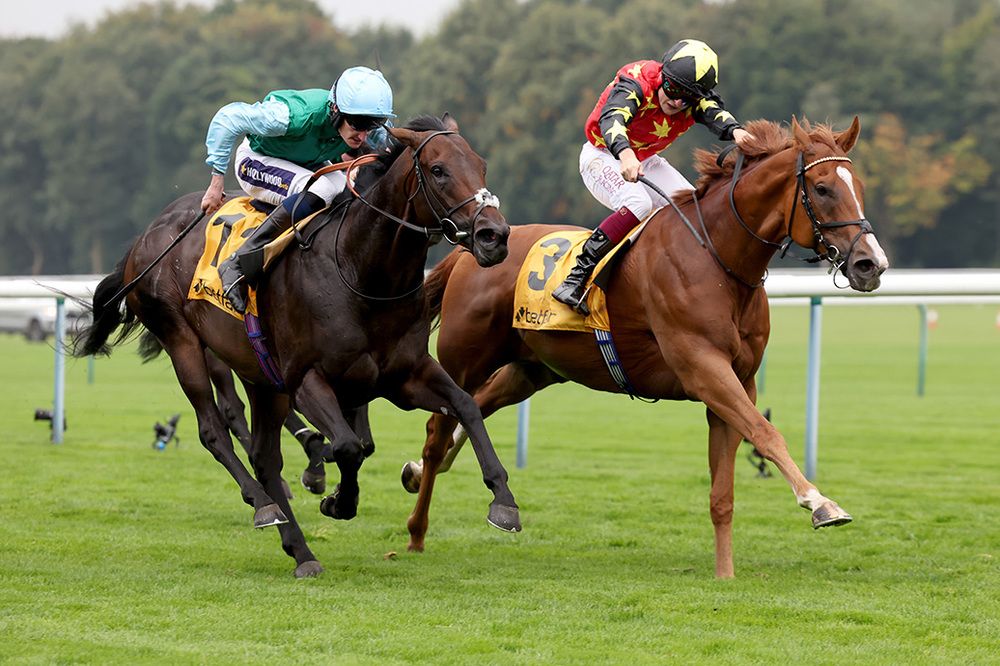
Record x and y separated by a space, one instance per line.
446 228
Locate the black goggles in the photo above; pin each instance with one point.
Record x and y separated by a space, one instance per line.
674 91
363 123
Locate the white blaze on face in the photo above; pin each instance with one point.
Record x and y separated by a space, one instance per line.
868 239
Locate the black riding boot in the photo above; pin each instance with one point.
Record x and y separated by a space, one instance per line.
574 288
246 264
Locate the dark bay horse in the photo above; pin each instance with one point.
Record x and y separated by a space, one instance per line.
345 319
689 320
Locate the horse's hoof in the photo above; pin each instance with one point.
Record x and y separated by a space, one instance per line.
268 515
308 569
338 506
415 547
504 518
410 478
314 482
830 515
286 490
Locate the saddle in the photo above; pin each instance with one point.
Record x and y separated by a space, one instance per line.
546 265
225 232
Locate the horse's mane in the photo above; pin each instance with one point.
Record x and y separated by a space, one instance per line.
769 138
369 174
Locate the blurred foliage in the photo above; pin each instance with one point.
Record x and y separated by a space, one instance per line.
104 126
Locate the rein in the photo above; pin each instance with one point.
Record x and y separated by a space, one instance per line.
707 241
831 253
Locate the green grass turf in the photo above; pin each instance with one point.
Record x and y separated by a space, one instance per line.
116 553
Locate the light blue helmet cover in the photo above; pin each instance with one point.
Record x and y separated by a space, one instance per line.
361 91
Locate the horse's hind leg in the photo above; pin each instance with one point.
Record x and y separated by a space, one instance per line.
188 358
317 401
267 411
314 475
723 442
231 407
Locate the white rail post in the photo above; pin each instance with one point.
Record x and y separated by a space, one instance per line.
58 405
922 353
523 418
812 386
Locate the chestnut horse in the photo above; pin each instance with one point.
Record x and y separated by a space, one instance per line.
688 318
345 319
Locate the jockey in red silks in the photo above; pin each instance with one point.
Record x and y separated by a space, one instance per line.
289 135
641 112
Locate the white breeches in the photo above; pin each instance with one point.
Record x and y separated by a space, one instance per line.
272 179
602 175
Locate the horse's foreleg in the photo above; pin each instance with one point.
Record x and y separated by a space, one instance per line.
723 441
188 358
511 384
430 387
712 380
268 409
317 401
314 476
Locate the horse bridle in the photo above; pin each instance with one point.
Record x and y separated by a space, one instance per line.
446 227
831 254
434 235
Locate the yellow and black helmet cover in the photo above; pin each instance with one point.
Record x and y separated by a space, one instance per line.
691 66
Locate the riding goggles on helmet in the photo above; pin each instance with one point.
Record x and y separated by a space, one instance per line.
675 91
363 123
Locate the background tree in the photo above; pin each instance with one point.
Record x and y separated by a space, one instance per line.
103 126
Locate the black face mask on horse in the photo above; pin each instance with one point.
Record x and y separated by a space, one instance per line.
338 342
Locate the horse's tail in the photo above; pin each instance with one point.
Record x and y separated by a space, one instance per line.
108 315
435 283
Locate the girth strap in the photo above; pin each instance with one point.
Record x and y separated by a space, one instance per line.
606 345
258 342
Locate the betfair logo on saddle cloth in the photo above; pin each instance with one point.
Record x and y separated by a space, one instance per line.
226 231
547 264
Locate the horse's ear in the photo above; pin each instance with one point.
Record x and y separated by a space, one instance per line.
449 122
801 136
408 137
849 137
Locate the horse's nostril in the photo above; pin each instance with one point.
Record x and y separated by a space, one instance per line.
864 267
487 236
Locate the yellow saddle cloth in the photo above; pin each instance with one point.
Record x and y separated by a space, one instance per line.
545 267
225 232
